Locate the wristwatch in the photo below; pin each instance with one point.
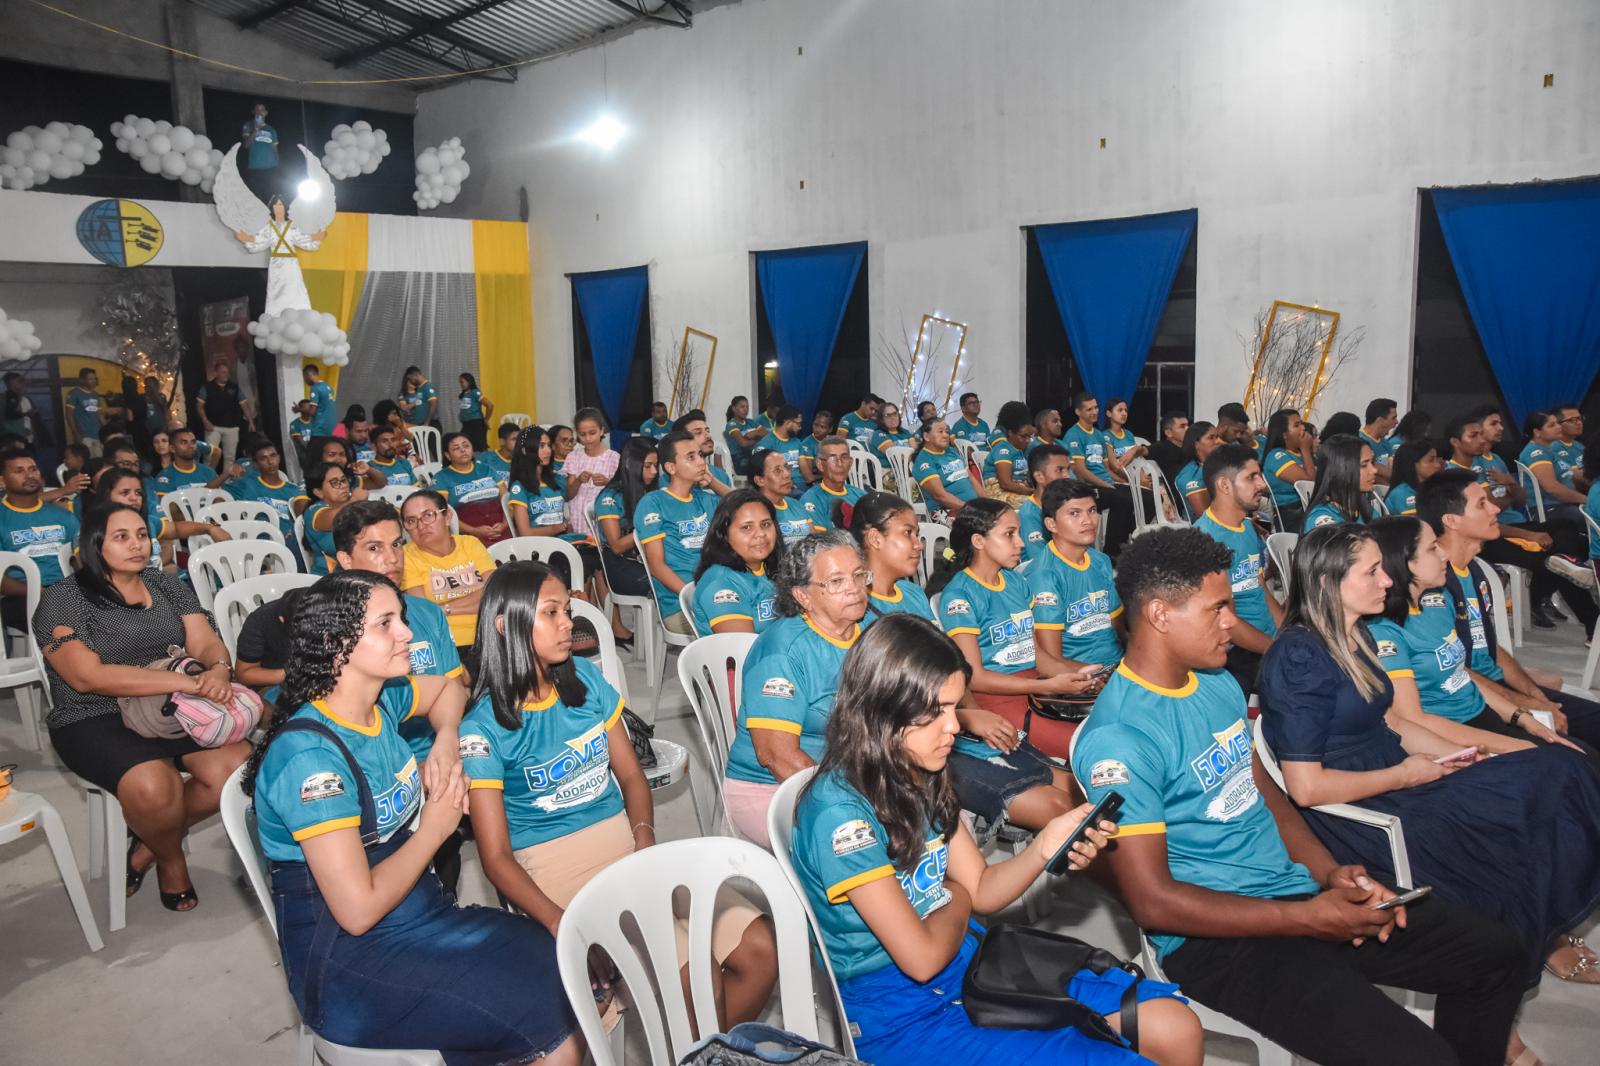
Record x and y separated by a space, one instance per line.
1516 715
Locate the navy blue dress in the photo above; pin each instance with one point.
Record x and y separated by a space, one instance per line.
1516 837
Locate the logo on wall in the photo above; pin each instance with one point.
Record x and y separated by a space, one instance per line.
120 233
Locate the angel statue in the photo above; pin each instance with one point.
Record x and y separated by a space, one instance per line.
270 228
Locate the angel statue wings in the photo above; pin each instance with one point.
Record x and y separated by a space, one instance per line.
273 229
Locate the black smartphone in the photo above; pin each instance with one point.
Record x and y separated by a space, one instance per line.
1407 895
1104 811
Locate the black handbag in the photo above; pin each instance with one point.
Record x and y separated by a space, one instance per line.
640 733
1018 979
1060 708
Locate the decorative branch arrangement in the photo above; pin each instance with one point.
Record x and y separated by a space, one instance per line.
1294 352
919 363
141 325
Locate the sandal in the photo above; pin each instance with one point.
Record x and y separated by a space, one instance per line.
1584 950
1583 972
174 901
135 877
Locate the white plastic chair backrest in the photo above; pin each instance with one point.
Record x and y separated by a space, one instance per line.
246 529
722 456
426 472
191 498
427 441
220 565
1594 529
1531 485
30 577
392 494
899 457
238 511
1281 547
522 421
61 473
1303 490
711 671
236 821
1380 509
686 605
965 447
935 539
1165 497
541 550
610 661
856 447
780 830
866 472
1269 761
642 885
233 603
1497 589
979 457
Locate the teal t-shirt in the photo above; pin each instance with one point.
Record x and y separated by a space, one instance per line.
433 653
1401 499
172 477
1382 450
281 497
84 407
1090 445
975 432
37 533
680 524
723 594
1532 456
461 487
304 788
548 508
1000 616
1191 479
949 468
300 430
1481 660
839 845
1326 513
861 430
397 471
418 415
1079 602
611 504
1249 595
790 677
731 432
1283 491
1428 649
1030 526
1180 758
1569 460
908 598
263 153
319 542
1492 463
1592 507
655 430
882 442
1004 452
496 462
471 405
322 422
793 522
819 501
1121 445
554 772
790 448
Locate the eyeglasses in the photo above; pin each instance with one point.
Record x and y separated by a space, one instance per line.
841 582
837 457
336 483
430 515
1572 418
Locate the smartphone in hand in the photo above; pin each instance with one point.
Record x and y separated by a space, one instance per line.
1465 755
1407 895
1104 811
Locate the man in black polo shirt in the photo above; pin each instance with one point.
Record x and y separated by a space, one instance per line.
223 413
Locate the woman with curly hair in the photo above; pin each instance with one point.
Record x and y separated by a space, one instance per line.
376 953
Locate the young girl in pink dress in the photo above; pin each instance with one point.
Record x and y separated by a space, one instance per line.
588 468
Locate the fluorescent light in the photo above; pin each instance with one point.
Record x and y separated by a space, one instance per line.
771 364
604 132
309 190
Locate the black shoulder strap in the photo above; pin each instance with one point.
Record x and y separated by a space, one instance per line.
369 810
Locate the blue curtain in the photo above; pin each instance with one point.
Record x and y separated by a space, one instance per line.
1528 259
805 291
610 301
1111 279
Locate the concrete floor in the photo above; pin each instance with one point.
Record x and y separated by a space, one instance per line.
205 987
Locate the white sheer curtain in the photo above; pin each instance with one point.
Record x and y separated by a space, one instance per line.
429 320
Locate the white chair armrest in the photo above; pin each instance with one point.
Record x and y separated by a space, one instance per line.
1388 824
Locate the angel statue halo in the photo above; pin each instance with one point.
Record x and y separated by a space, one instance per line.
260 229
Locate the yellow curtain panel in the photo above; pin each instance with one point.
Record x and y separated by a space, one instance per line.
505 315
335 274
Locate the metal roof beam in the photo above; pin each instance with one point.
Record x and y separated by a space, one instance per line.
429 27
409 19
422 51
271 11
639 13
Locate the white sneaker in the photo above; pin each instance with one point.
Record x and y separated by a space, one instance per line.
1579 575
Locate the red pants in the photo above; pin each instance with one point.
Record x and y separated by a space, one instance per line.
1047 734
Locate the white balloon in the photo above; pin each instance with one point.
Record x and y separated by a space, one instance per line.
172 164
293 331
144 127
10 349
160 143
150 163
311 344
182 138
428 162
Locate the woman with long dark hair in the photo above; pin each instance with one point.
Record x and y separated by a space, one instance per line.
100 628
119 485
473 489
1346 474
1199 441
1481 831
742 433
543 836
475 410
613 512
1413 463
1125 447
733 592
360 914
1288 458
770 476
986 608
538 508
331 491
895 878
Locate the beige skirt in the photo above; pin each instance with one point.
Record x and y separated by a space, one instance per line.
562 866
992 489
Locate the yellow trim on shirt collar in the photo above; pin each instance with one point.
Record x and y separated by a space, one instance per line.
1188 688
992 588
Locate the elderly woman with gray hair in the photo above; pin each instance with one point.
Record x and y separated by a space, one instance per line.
792 672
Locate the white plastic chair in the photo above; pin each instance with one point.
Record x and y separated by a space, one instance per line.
722 457
979 457
780 830
686 605
1508 627
428 443
23 812
234 603
1280 547
899 457
61 473
243 529
866 472
223 511
426 472
642 885
220 565
237 819
541 549
856 447
522 421
395 495
711 671
24 669
935 539
108 841
1303 489
965 447
643 608
1531 485
666 641
191 498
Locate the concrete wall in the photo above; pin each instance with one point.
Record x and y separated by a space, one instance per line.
37 36
934 129
63 303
